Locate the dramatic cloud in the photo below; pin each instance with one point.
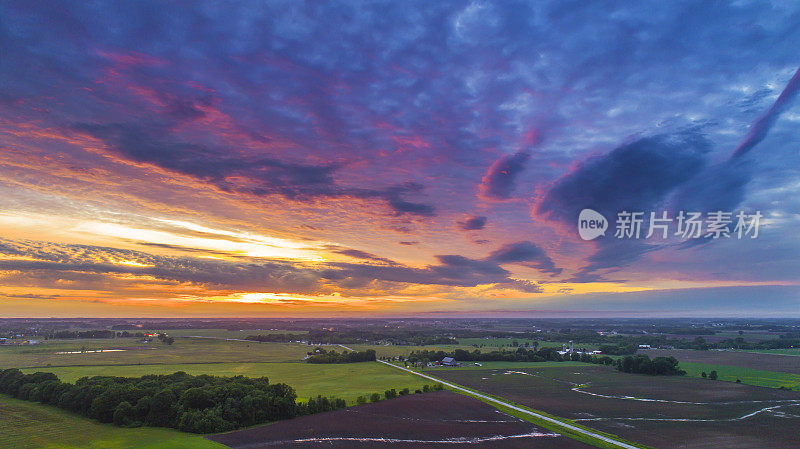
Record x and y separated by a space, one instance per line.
500 181
526 253
473 223
249 172
373 164
762 126
633 177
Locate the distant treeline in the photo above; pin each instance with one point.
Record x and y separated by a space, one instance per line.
104 333
408 338
323 356
63 335
200 404
640 364
520 355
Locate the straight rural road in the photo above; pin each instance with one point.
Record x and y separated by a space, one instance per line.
519 409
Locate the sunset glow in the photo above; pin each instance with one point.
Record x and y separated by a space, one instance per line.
432 162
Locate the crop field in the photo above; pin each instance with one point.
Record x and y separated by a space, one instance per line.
28 425
785 351
130 351
225 333
346 381
662 412
754 360
495 344
432 420
748 376
402 350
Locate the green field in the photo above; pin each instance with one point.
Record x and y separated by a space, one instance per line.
28 425
493 344
184 350
786 351
486 344
748 376
346 381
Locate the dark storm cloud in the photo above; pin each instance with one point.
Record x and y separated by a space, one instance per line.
632 177
475 223
266 175
526 253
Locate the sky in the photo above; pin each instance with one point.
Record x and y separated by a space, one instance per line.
395 158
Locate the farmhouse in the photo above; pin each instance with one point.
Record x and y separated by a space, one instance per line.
449 361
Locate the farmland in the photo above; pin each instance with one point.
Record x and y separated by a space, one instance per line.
130 351
431 420
759 361
346 381
27 425
660 412
747 376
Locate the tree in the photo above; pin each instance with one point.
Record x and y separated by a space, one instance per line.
713 375
374 397
703 375
125 415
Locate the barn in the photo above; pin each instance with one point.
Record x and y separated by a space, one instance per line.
449 361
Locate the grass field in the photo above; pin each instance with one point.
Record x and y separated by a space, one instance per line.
184 350
786 351
752 360
494 344
748 376
346 381
486 344
28 425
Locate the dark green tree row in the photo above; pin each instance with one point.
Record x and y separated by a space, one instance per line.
323 356
642 364
200 404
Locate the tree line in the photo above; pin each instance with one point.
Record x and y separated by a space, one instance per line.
322 356
199 404
639 364
642 364
520 355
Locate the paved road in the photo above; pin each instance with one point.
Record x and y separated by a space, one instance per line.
521 410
